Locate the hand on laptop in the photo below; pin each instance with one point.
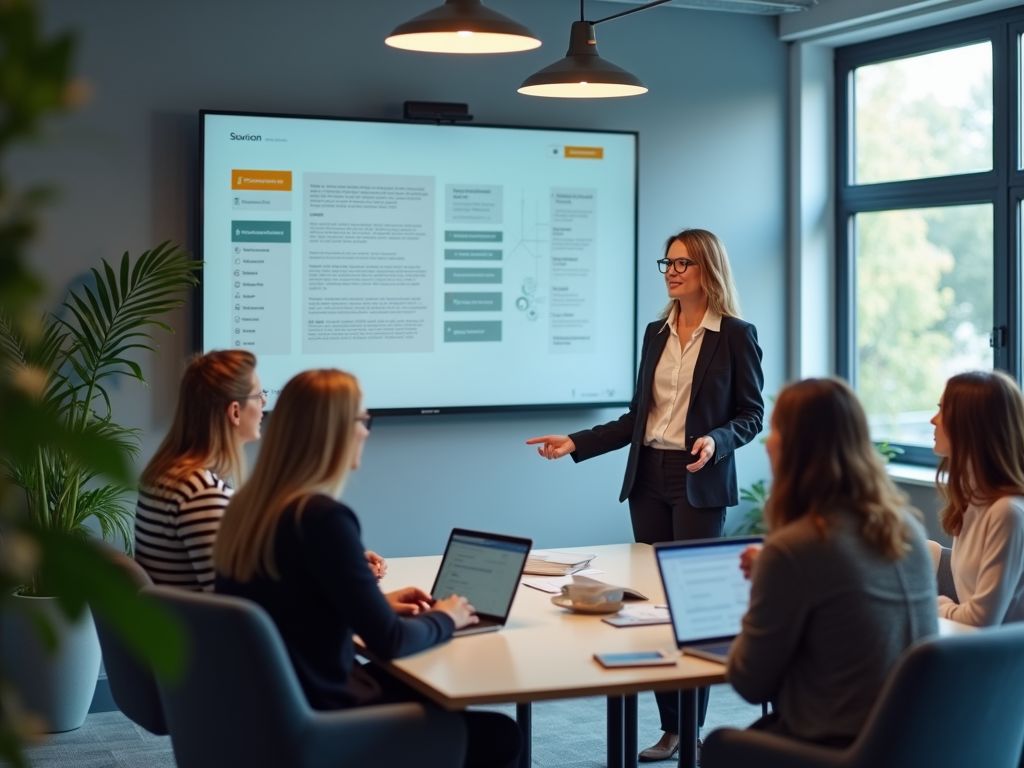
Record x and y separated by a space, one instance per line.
409 601
378 565
748 557
461 612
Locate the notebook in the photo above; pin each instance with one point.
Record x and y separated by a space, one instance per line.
706 592
485 568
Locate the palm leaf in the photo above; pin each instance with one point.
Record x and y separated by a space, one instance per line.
108 316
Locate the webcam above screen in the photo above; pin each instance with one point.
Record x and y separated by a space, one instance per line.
451 268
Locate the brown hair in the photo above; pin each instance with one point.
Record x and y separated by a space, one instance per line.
708 252
983 417
201 436
307 449
827 462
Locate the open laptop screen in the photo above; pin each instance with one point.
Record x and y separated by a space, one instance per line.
484 569
706 591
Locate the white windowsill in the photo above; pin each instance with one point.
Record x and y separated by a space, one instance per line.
911 474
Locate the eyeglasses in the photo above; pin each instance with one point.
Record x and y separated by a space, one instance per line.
262 393
681 265
366 420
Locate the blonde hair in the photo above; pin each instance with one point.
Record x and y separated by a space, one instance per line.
201 435
983 417
708 253
828 462
307 449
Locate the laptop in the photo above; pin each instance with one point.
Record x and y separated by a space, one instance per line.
706 592
485 568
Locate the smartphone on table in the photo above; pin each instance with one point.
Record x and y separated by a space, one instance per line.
636 659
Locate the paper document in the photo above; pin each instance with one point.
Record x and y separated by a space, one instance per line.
639 616
554 584
550 562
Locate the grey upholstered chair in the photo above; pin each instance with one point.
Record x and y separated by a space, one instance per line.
951 702
240 703
131 682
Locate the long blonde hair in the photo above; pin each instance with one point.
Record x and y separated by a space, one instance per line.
307 449
708 253
827 462
201 436
983 417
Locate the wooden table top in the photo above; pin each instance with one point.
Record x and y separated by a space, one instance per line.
546 652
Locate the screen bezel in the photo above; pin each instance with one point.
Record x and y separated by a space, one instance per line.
197 303
502 618
744 541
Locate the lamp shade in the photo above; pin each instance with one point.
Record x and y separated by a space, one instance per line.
462 26
582 74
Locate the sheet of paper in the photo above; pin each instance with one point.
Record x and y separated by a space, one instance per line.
563 558
641 611
554 584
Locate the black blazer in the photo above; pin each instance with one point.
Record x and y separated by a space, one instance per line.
725 404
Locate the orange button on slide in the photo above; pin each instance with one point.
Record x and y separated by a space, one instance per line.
586 153
278 181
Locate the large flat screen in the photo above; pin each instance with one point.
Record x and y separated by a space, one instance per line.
450 268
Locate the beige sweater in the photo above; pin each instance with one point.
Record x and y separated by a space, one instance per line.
988 565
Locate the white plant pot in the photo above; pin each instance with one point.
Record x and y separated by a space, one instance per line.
59 686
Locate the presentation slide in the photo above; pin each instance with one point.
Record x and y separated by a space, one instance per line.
706 590
447 267
483 570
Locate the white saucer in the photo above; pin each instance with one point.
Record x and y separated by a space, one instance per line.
564 602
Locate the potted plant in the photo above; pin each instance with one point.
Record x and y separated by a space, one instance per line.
71 366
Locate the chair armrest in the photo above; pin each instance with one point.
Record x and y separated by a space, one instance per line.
729 747
385 736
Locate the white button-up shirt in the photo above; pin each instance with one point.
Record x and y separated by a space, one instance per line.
673 384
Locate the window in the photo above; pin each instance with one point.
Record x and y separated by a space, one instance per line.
929 169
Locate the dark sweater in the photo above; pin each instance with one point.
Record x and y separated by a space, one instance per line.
325 594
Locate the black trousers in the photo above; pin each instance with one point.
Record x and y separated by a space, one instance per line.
660 511
493 740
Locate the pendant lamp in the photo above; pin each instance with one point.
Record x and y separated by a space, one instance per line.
462 26
583 74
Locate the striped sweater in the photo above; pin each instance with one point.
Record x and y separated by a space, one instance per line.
175 527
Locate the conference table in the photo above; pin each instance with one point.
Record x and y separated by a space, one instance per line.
545 652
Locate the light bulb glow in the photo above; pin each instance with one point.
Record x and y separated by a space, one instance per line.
582 90
462 41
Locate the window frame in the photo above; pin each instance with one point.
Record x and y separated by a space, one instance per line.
1002 186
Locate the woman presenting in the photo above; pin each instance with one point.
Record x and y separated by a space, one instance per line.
697 399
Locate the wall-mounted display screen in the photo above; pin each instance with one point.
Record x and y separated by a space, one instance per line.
450 268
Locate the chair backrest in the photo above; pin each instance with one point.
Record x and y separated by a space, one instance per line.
238 701
951 701
131 682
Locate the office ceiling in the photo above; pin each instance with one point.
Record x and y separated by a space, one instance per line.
763 7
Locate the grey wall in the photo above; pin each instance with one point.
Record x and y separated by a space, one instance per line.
712 143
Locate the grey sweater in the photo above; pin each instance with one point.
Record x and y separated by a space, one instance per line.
828 619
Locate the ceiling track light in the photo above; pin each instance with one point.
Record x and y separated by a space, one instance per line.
583 74
462 26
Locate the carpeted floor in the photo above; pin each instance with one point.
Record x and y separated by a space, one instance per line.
566 734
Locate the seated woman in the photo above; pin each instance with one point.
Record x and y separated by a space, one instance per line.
287 544
184 488
844 582
979 433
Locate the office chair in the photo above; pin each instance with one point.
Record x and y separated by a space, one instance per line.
239 702
950 702
132 684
